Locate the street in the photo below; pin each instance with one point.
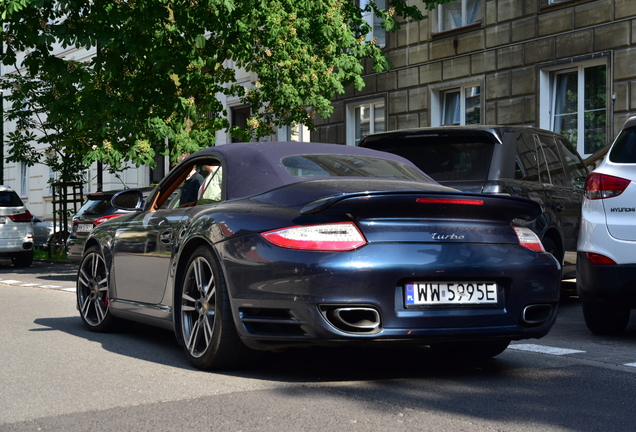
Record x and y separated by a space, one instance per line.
58 376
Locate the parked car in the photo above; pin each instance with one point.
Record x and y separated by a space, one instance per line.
512 160
16 229
45 233
606 277
319 244
96 209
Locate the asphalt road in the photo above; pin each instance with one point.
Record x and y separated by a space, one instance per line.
58 376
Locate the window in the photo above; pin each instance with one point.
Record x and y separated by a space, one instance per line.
239 119
333 165
52 179
365 118
24 179
577 101
550 167
297 132
457 106
457 14
377 33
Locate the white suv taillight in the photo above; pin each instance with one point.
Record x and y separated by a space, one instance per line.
326 237
528 239
22 217
601 186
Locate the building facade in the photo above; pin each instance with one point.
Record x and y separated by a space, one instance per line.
562 65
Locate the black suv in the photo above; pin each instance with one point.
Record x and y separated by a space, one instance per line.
521 161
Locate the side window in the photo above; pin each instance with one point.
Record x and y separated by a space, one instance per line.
210 190
526 166
190 187
551 168
200 183
574 165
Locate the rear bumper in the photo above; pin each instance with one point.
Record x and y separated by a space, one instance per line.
291 298
616 283
11 246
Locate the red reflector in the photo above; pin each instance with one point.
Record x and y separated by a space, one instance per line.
598 259
449 201
22 217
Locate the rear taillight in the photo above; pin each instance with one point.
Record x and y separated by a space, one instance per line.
22 217
103 219
528 239
601 186
598 259
326 237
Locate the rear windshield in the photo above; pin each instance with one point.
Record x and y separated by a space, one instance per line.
10 199
97 207
330 165
624 149
444 158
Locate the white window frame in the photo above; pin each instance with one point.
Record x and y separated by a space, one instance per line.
438 101
440 11
373 107
547 99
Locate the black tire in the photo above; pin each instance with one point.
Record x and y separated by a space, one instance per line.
471 349
604 318
551 248
93 293
22 259
205 325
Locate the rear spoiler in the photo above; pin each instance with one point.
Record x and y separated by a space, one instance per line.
455 205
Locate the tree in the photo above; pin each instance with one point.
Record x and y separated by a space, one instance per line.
160 68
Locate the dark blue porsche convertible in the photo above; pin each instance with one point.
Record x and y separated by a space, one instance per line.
272 245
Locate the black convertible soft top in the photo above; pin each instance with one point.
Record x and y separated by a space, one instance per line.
254 168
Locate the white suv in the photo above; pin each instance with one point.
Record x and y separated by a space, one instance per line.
606 261
16 229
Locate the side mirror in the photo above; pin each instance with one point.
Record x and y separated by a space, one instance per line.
129 200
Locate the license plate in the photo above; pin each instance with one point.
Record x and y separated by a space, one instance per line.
84 228
450 293
3 220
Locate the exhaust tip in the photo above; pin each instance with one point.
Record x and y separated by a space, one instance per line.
537 314
353 319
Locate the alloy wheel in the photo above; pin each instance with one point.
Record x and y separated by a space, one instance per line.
92 289
198 307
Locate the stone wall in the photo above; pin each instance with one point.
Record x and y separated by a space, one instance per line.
506 52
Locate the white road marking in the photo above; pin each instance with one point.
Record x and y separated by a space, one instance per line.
35 285
544 349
